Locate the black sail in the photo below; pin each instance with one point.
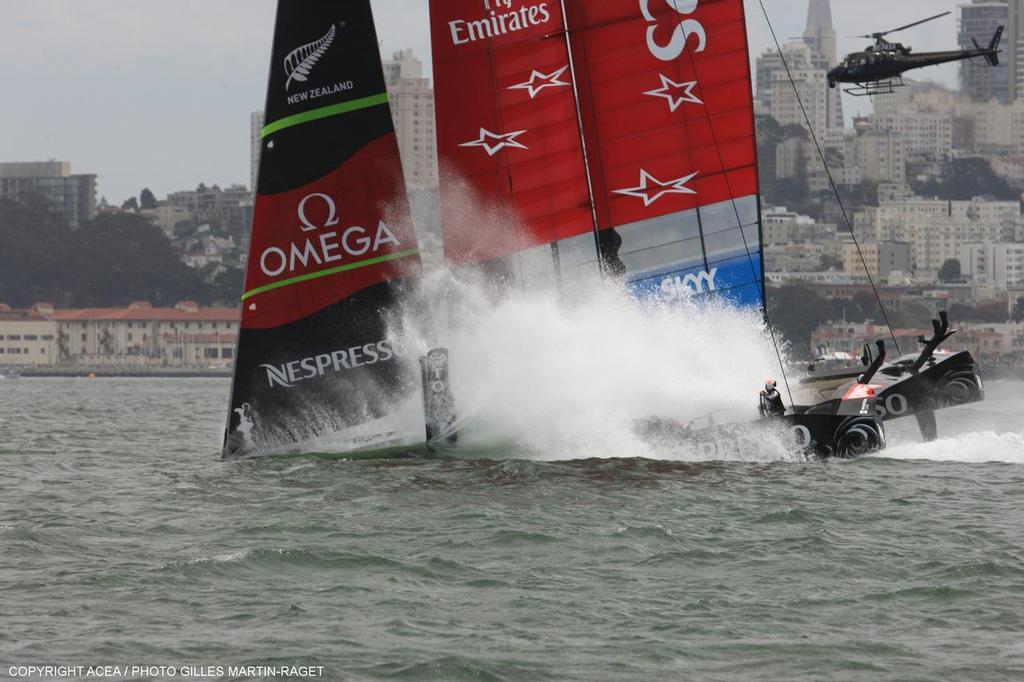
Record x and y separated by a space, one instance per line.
332 243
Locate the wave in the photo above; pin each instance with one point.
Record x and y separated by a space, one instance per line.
982 447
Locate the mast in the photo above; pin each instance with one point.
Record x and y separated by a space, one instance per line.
332 241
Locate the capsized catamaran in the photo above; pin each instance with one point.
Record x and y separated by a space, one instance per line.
332 244
620 136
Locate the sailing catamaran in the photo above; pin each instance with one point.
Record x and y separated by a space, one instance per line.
620 135
616 140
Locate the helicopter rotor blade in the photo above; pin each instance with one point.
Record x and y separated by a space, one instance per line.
903 28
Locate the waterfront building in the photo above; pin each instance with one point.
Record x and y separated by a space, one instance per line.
186 335
73 196
26 338
412 109
985 341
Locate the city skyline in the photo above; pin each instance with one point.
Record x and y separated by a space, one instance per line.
145 96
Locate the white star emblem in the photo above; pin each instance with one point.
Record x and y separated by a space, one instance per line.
500 141
651 188
676 93
538 81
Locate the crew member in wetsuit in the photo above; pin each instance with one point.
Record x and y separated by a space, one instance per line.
771 400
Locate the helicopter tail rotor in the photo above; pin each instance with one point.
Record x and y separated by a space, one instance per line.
993 55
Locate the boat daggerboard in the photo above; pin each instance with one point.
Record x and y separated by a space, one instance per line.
332 240
663 93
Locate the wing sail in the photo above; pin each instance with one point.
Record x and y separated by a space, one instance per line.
332 240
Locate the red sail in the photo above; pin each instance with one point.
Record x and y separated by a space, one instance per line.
667 114
507 127
666 104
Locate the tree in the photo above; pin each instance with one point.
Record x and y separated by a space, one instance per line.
988 312
830 262
146 199
33 253
965 179
110 260
185 228
797 310
130 204
1018 310
124 258
950 271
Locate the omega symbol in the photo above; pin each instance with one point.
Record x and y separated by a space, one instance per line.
332 218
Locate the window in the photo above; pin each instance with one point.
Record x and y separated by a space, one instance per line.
210 353
31 337
47 337
14 337
83 337
227 353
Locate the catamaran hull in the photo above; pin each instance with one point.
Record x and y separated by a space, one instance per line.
948 381
801 436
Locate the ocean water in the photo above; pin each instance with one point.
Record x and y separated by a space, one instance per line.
124 540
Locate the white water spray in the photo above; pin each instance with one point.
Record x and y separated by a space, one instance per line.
543 378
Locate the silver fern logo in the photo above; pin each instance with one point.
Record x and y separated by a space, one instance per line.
300 62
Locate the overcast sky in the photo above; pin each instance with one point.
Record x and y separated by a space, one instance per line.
157 93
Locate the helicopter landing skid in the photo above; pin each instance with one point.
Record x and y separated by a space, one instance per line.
879 87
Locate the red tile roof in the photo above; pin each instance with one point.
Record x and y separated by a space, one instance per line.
148 314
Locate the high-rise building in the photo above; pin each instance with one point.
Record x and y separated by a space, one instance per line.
412 108
809 62
821 37
1014 40
978 79
775 88
73 196
255 143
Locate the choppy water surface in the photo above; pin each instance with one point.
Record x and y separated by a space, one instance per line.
123 539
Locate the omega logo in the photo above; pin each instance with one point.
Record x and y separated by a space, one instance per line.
332 218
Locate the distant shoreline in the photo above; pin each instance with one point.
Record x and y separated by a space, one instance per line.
122 372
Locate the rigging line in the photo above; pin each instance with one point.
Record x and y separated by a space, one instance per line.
739 224
583 142
831 181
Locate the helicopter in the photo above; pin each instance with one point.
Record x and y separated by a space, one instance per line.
879 68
